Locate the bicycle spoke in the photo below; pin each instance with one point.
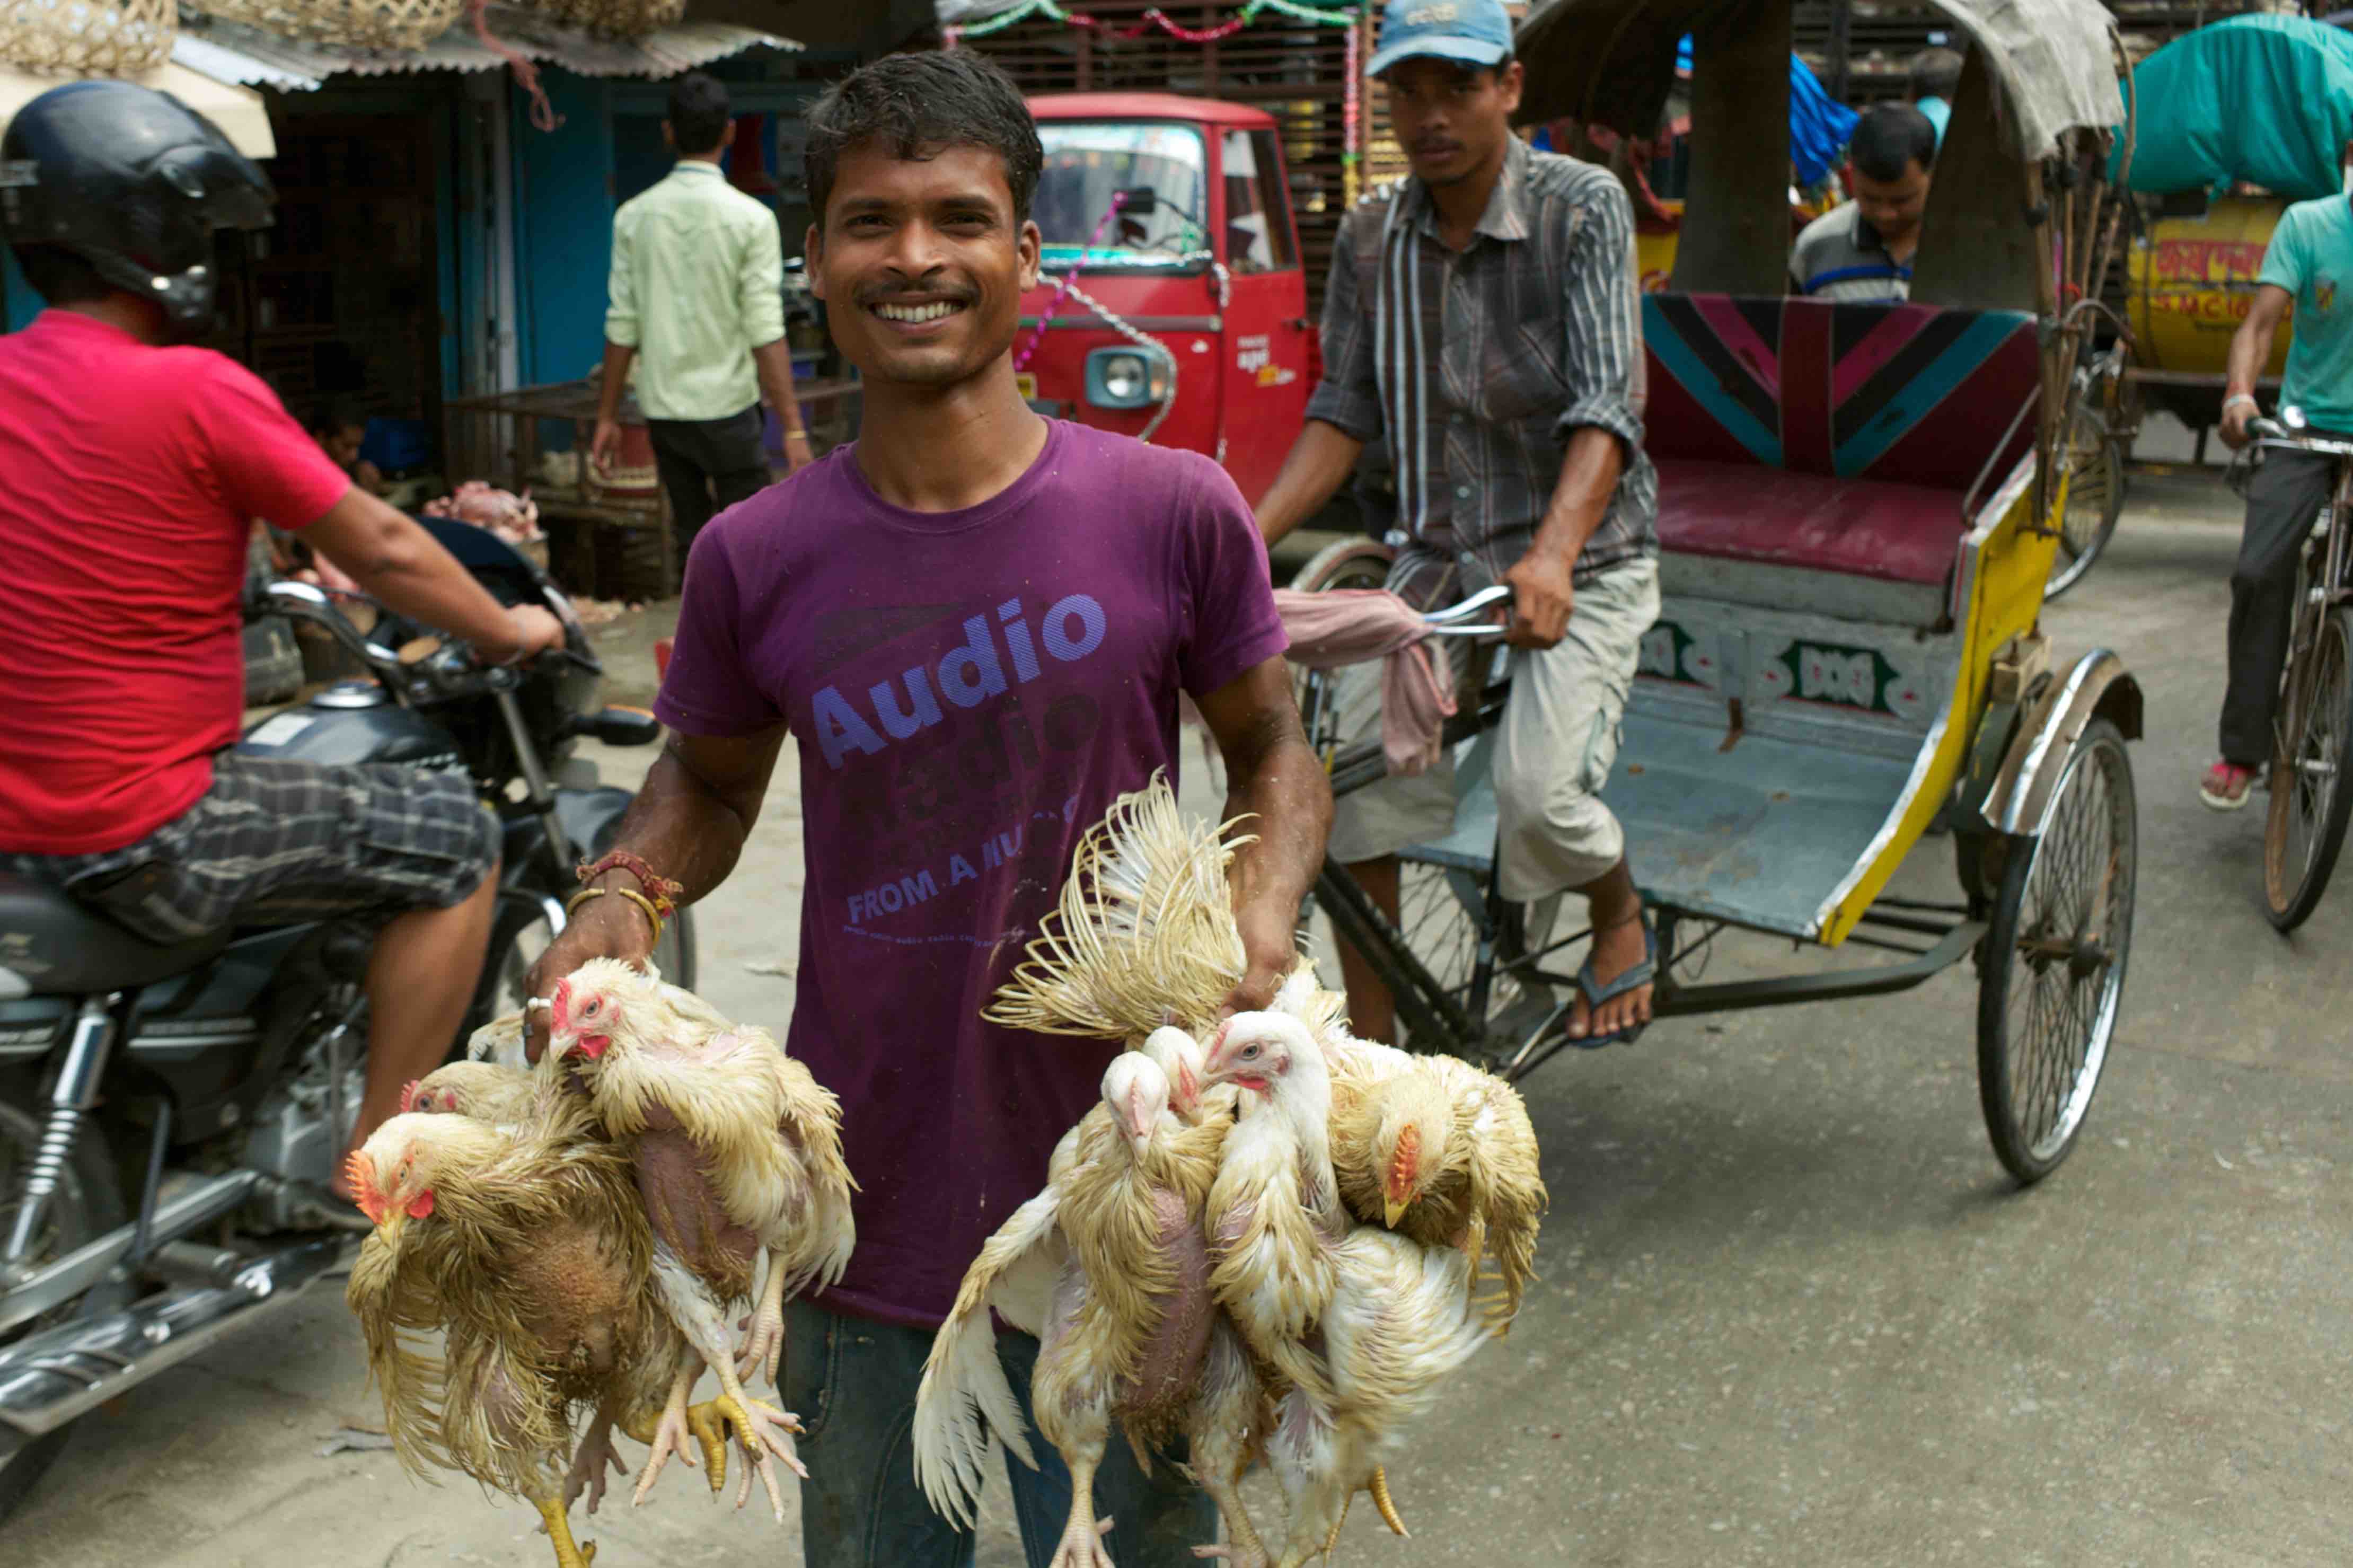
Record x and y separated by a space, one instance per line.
2076 898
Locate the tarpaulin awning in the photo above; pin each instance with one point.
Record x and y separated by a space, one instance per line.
233 52
237 111
1613 60
2263 98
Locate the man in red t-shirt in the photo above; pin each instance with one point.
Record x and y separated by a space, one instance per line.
134 466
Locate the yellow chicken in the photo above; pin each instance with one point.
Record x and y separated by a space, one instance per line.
526 1248
1364 1324
737 1151
1108 1267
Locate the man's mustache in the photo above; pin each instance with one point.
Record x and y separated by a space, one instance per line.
958 293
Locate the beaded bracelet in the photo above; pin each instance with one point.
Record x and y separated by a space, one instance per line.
665 890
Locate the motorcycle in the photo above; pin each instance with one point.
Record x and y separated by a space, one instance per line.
169 1116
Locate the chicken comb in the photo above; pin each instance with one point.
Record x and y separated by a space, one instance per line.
1404 1163
408 1096
357 1173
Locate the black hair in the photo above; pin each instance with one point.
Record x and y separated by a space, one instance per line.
916 104
1935 73
60 276
334 415
698 113
1888 137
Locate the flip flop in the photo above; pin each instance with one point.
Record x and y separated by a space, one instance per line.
1639 974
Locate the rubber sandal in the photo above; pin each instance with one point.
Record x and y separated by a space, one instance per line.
1639 974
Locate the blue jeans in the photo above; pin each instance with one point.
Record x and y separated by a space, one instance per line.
853 1382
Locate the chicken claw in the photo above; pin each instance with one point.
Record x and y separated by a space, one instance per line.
1379 1488
764 1432
1241 1554
568 1553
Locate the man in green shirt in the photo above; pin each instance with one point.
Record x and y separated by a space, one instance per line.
2309 264
696 304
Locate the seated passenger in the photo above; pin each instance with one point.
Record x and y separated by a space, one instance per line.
1863 251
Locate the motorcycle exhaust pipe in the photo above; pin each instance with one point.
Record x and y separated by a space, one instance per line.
49 1378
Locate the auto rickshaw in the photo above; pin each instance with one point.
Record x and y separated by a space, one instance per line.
1173 303
2242 117
1854 510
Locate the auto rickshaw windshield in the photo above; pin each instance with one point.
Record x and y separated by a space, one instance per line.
1089 162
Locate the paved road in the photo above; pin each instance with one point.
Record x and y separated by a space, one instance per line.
1793 1311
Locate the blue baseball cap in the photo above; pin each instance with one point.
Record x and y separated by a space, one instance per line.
1469 32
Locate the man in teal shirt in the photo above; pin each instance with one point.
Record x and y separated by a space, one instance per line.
2309 264
695 304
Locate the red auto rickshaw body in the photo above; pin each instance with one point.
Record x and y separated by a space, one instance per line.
1206 274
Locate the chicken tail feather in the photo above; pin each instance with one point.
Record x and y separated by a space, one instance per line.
1144 927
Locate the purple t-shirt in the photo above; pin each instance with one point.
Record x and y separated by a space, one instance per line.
969 691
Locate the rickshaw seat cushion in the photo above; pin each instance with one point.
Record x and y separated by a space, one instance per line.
1864 528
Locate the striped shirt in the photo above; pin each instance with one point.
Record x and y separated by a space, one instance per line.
1839 257
1478 364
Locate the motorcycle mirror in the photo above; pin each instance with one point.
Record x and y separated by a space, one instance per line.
1141 200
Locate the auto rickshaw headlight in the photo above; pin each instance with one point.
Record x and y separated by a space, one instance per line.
1127 378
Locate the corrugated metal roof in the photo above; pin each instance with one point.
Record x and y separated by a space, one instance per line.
234 53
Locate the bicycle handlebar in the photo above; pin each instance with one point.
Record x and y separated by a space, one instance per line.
1466 619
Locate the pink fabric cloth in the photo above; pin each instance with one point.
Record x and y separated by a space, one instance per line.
1350 626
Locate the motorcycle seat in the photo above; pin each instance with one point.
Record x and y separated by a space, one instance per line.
55 946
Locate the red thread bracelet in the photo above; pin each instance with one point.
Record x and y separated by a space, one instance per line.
664 889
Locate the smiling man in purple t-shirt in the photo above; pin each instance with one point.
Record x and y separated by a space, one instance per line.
974 623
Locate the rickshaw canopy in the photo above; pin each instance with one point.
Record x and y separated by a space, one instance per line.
2263 98
1613 61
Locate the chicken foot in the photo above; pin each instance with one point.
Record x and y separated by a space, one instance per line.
1082 1538
568 1552
764 1431
670 1433
1377 1484
590 1460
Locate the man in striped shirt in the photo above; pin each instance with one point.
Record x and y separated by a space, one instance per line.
1862 250
1481 319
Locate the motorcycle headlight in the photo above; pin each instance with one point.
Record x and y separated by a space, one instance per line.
1127 377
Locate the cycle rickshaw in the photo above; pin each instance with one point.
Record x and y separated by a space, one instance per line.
1852 509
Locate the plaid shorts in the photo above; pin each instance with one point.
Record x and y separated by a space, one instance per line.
279 843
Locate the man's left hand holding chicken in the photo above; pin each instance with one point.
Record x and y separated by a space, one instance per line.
975 624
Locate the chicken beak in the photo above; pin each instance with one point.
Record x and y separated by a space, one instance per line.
1392 1211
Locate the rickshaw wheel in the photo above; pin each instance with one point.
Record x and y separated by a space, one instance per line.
2096 498
2304 830
1347 563
2052 969
1442 915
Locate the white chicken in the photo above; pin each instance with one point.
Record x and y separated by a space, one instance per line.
738 1148
1108 1269
1364 1324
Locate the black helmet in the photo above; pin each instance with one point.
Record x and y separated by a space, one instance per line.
134 181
